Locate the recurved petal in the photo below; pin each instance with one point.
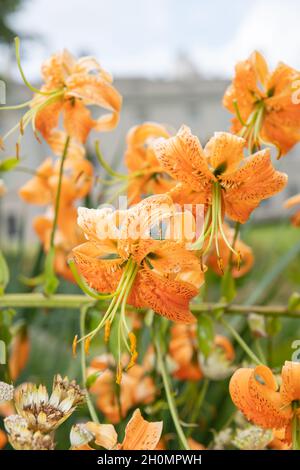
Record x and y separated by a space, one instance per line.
138 154
37 190
101 271
183 158
99 224
254 392
224 151
169 298
140 434
183 194
78 122
261 67
246 187
290 387
95 90
169 257
292 201
105 434
47 118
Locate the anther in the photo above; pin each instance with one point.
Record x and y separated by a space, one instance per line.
107 331
74 345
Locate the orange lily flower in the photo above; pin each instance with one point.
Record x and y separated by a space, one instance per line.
69 87
42 190
146 176
263 104
139 435
137 387
3 439
184 352
240 265
19 354
128 256
67 236
255 392
219 177
291 202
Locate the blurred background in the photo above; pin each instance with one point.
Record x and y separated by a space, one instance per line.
172 61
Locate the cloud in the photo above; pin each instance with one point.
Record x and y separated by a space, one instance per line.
271 26
143 38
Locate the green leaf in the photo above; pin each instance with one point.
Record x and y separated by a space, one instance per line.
51 281
6 318
294 301
4 274
2 352
205 333
228 290
8 164
92 379
274 326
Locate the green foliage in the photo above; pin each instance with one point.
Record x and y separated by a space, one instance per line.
205 333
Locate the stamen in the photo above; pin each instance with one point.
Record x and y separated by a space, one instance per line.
119 374
107 331
87 343
119 297
221 264
133 351
239 260
17 151
74 345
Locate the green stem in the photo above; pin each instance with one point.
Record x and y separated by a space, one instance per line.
199 402
57 200
260 351
169 395
37 300
93 413
240 340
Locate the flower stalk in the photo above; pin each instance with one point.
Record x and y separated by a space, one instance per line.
170 397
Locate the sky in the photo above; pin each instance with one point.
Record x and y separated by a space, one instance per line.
144 37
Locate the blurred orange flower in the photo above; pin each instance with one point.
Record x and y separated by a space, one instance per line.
137 387
42 189
263 104
294 201
146 176
3 439
184 352
255 392
139 435
19 353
